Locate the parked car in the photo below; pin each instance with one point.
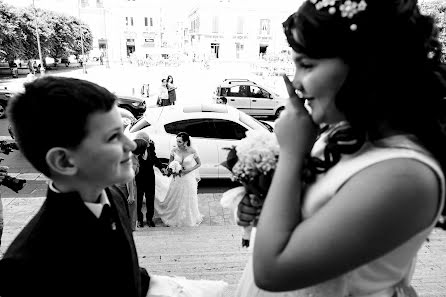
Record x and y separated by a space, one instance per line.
213 127
5 95
250 97
135 105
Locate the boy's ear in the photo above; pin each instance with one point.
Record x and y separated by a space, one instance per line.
60 162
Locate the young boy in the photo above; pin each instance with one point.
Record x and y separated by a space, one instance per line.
80 242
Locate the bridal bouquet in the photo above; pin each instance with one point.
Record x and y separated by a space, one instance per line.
174 169
252 163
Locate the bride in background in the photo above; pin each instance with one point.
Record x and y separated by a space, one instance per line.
177 197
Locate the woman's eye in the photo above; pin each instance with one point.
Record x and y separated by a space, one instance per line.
305 65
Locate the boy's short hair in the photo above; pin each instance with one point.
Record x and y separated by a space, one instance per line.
141 146
53 112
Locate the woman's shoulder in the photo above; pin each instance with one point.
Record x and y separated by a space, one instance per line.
192 151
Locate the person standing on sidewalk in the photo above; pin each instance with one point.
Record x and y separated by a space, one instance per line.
80 242
163 97
171 88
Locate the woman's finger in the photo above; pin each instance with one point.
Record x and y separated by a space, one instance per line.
296 101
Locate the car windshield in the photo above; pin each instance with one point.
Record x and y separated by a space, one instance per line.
251 122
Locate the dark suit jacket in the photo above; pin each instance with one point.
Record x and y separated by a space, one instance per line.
146 177
65 251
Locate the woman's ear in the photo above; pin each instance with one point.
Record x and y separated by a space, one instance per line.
60 162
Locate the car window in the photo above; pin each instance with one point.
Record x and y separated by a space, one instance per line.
250 121
140 124
194 127
224 91
229 129
234 92
257 92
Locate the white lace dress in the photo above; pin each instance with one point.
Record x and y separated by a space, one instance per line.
387 276
178 205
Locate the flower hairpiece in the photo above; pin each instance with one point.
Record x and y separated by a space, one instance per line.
348 8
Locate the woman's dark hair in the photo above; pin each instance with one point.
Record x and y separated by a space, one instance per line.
170 76
185 137
141 146
396 77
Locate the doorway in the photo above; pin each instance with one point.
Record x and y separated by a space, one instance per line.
262 50
215 49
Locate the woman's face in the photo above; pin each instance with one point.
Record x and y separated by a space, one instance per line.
169 79
320 80
180 143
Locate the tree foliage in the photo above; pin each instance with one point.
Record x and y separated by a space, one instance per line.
60 35
437 9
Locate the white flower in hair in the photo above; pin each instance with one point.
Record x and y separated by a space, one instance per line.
347 8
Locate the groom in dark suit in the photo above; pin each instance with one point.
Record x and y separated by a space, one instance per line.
80 242
145 181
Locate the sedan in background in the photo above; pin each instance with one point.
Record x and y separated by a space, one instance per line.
213 127
135 105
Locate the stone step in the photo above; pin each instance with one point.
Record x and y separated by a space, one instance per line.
204 252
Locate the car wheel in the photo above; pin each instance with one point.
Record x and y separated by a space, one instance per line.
279 111
2 111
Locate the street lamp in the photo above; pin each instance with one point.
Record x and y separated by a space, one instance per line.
42 69
107 64
84 67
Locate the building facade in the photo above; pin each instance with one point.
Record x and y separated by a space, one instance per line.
235 30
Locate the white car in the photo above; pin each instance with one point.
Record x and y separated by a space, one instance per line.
248 96
213 127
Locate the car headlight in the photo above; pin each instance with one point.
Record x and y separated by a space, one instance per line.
136 104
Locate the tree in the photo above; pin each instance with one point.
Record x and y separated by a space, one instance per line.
437 9
79 28
10 33
59 34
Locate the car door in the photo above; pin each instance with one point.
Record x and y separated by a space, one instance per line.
229 134
237 97
262 102
203 134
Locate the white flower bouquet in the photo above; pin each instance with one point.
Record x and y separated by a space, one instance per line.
174 169
252 163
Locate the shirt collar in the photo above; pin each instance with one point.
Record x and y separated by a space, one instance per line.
95 208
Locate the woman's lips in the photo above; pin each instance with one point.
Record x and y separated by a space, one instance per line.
125 161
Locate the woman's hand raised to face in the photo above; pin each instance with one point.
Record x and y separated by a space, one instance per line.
295 130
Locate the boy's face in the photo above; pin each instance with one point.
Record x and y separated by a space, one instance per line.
104 156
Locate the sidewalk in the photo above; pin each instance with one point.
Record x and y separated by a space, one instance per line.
213 251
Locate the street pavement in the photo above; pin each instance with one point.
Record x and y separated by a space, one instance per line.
210 251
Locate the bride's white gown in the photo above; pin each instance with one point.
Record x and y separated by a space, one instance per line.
176 198
176 202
